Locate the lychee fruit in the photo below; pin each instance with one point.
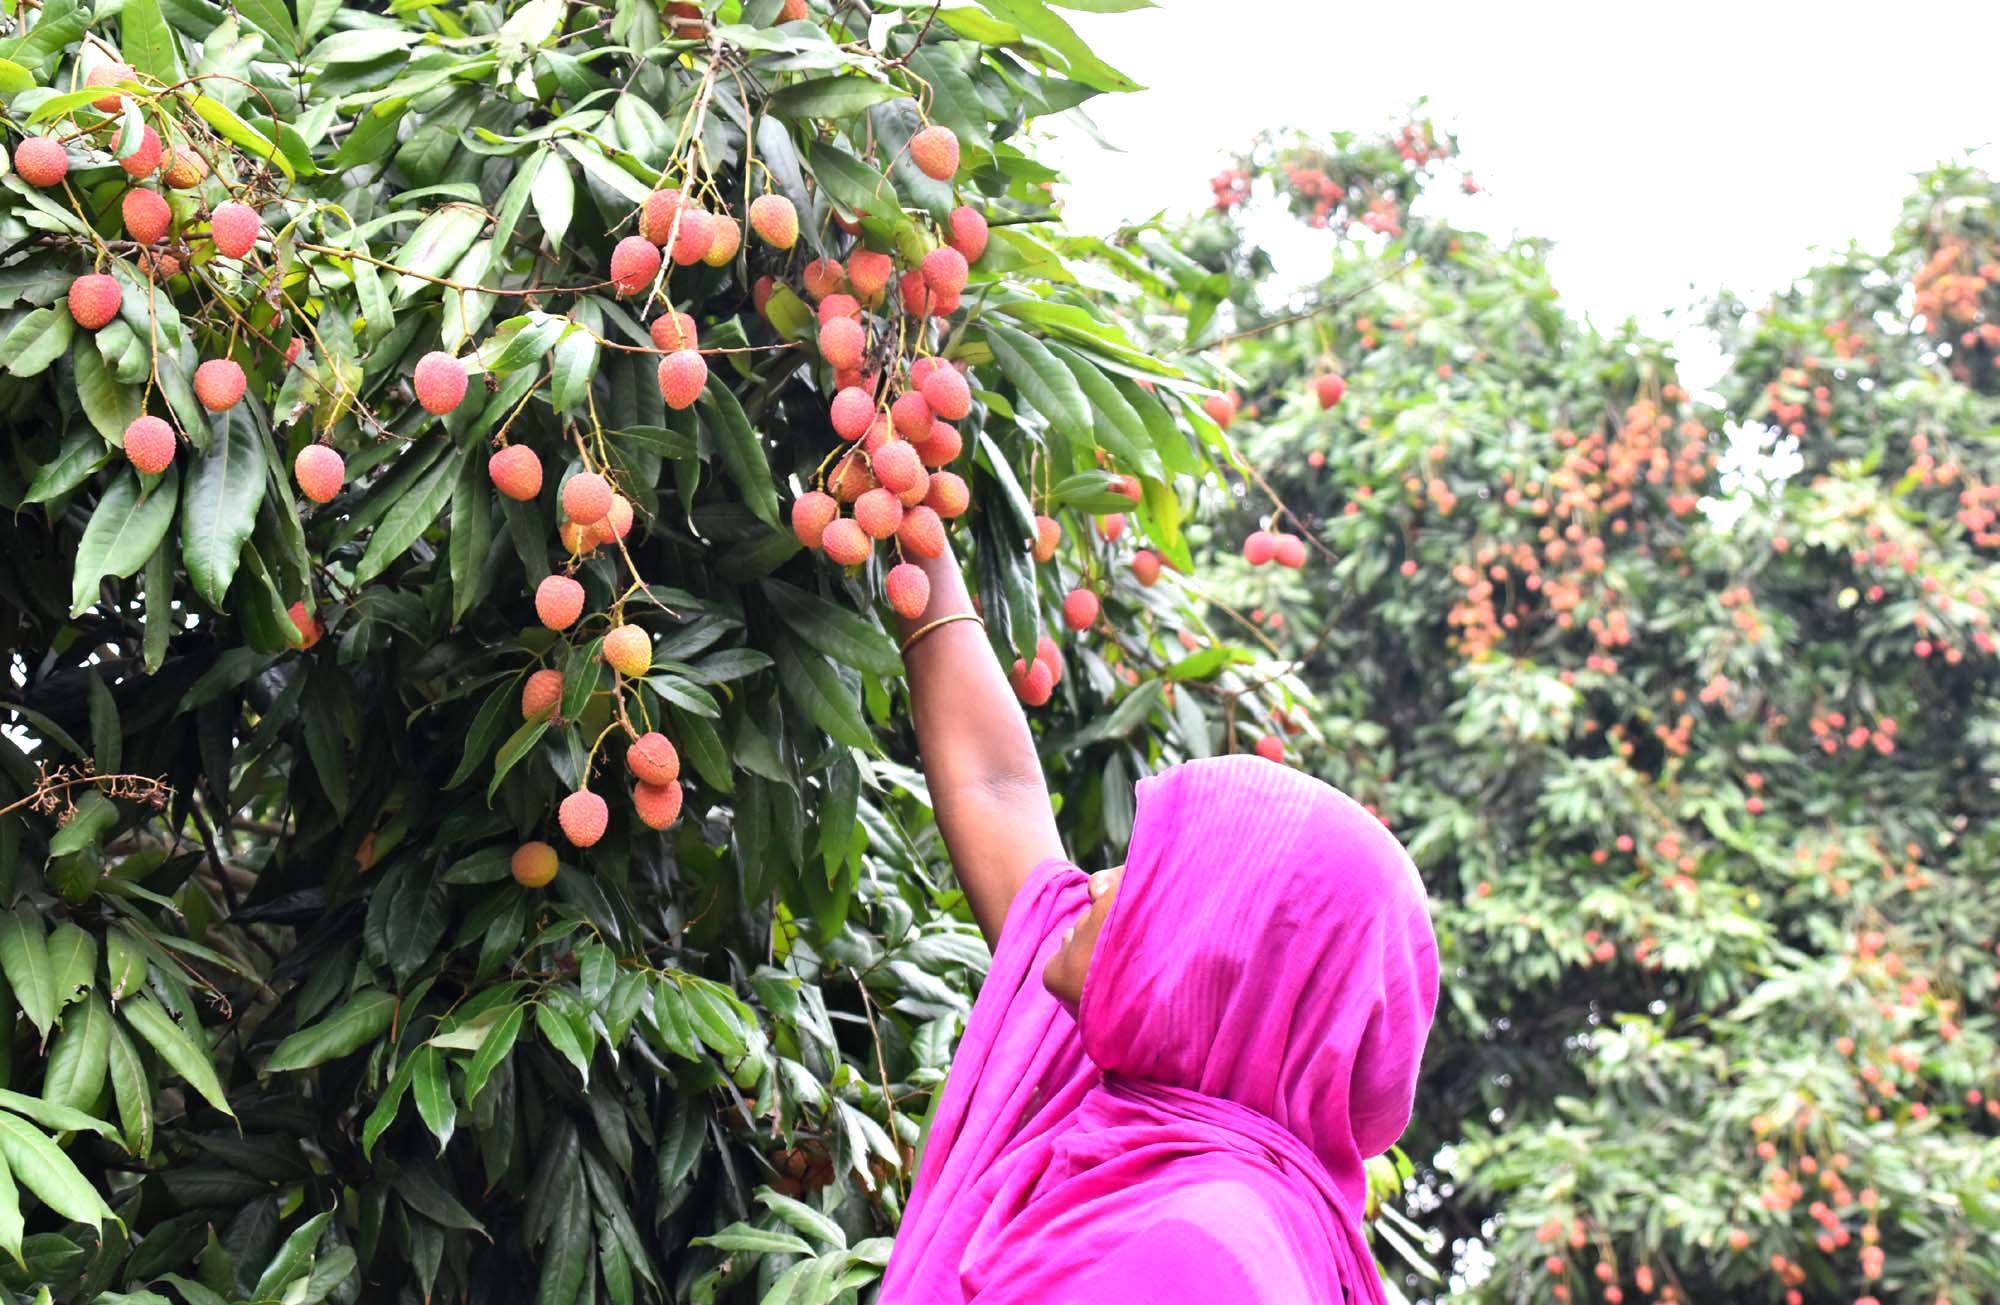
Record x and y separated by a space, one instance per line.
879 513
309 629
652 759
812 512
673 332
869 272
695 237
439 381
144 160
775 220
657 805
558 602
319 471
948 496
852 411
879 433
726 237
845 543
683 376
1032 682
898 467
657 213
146 215
1270 747
911 413
794 11
968 233
823 277
1329 388
944 271
838 305
1128 486
1221 409
617 522
1080 608
1291 551
578 539
1048 535
761 292
533 864
947 393
149 445
629 651
586 497
1112 526
919 489
909 590
542 692
842 342
218 383
1259 547
851 478
935 152
516 472
109 74
942 445
922 532
159 265
234 228
184 169
41 161
918 301
583 817
635 261
1146 566
94 299
1050 656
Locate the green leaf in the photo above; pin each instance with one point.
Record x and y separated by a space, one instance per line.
479 739
294 1259
24 959
1034 19
430 1084
408 518
838 96
554 195
518 745
1041 378
174 1045
133 1093
224 490
36 341
438 242
44 1170
837 631
11 1224
82 453
123 532
78 1058
272 18
562 1038
417 912
362 1019
95 815
147 42
1118 427
52 1115
816 687
742 452
471 534
749 1237
572 364
241 134
498 1044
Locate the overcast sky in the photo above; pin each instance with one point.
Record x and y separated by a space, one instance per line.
1666 149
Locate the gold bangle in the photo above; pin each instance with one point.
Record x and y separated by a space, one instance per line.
923 630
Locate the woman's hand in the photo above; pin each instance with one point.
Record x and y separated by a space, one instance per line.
986 782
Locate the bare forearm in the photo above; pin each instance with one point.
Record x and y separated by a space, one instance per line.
986 782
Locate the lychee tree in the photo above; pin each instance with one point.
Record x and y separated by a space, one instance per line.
458 837
1683 707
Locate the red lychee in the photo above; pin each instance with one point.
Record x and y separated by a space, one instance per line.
909 590
319 471
935 152
149 445
218 383
583 817
439 381
94 299
558 602
683 376
234 228
516 471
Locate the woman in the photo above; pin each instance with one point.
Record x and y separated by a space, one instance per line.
1176 1068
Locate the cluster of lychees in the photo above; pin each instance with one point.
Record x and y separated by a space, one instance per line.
894 478
96 298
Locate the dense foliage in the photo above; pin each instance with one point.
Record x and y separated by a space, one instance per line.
338 963
1685 707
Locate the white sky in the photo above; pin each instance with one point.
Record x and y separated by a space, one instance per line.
1666 149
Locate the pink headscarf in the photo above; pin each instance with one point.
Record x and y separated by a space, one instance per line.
1250 1032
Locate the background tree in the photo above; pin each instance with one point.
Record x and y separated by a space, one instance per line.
456 840
1682 705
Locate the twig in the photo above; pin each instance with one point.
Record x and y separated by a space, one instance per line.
1306 314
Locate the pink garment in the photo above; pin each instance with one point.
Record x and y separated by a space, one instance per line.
1250 1032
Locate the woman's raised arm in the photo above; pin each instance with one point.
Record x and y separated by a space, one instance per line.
986 782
